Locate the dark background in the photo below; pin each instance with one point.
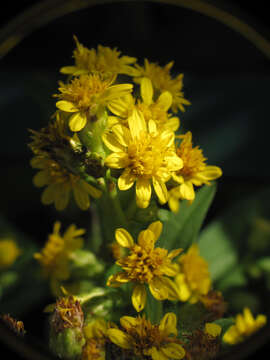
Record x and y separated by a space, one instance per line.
226 79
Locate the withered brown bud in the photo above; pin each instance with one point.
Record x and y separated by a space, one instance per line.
67 314
202 346
215 305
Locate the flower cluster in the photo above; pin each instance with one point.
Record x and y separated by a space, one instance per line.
116 137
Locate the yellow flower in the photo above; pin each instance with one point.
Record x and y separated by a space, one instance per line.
151 110
146 340
195 171
9 252
95 334
245 325
162 81
54 257
104 60
60 182
145 265
86 96
193 279
146 156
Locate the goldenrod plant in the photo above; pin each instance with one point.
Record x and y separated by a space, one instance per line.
139 280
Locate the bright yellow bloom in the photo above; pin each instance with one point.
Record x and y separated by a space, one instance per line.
151 110
195 171
144 339
86 96
245 325
145 264
60 182
145 154
162 81
54 257
9 252
193 279
104 60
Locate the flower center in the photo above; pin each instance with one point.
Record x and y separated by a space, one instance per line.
142 266
193 159
145 155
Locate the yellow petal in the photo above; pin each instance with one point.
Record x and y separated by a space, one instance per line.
117 160
173 203
91 190
212 329
42 178
156 227
111 142
128 322
146 240
77 121
48 195
139 297
152 127
157 289
173 351
62 197
168 324
161 190
126 180
184 292
81 197
156 354
205 176
68 69
173 123
187 191
136 123
124 238
249 319
146 91
165 100
143 192
120 107
122 134
66 106
119 338
173 162
117 91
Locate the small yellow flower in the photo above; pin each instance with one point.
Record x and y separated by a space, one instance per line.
151 110
162 81
146 340
145 264
86 96
54 257
245 325
104 60
60 182
96 334
195 171
9 252
145 154
193 279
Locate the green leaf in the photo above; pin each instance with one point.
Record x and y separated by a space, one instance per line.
182 229
216 247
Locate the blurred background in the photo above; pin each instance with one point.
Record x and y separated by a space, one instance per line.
226 78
